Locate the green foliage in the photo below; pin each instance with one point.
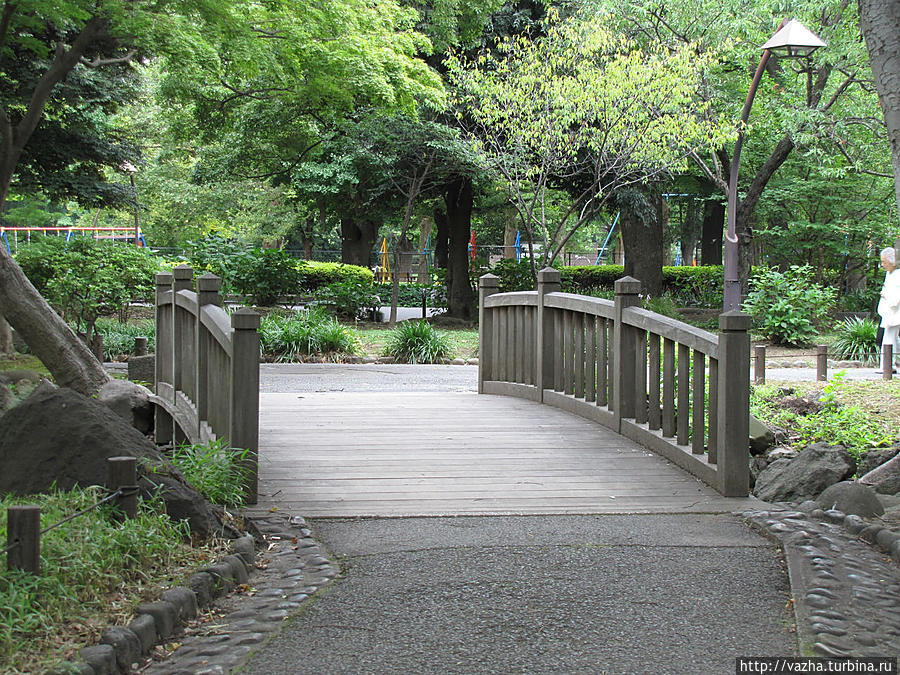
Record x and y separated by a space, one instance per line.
662 304
314 274
696 286
85 278
118 337
588 279
788 306
346 298
410 293
514 276
265 275
217 255
83 561
418 342
214 469
291 337
856 340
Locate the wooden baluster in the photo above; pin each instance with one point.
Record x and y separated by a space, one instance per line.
640 378
684 394
654 413
668 393
698 426
590 358
488 284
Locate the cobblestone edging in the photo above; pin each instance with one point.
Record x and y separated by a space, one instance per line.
846 591
286 572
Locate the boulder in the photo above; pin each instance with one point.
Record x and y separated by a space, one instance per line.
57 437
805 477
852 498
129 401
142 368
757 466
781 453
761 437
875 457
886 478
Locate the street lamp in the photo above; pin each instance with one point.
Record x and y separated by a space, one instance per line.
792 40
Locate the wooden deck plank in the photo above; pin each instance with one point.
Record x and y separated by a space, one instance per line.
400 454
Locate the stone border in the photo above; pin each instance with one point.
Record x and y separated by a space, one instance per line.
290 569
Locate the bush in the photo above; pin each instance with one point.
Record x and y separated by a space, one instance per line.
663 304
410 294
347 298
788 306
314 275
699 286
418 342
588 279
857 340
85 278
118 337
293 336
214 469
514 276
216 255
264 275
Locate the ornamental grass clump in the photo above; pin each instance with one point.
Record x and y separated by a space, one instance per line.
118 337
292 337
214 469
856 340
418 342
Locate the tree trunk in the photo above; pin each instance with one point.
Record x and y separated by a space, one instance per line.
6 341
642 237
357 239
49 337
711 237
880 24
509 241
441 239
460 298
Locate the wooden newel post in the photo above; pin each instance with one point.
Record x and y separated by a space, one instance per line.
734 404
209 288
548 282
184 281
624 352
165 353
140 346
244 417
821 363
488 284
122 474
759 364
23 533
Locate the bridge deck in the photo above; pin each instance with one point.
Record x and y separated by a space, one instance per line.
405 454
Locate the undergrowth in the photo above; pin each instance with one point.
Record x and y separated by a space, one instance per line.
418 342
291 337
213 469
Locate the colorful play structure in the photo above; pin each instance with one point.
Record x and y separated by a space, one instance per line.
126 234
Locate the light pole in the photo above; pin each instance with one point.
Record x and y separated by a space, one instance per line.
792 40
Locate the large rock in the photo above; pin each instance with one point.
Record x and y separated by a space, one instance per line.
59 437
851 497
129 401
805 477
761 437
886 478
875 457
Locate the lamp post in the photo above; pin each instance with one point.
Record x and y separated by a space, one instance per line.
792 40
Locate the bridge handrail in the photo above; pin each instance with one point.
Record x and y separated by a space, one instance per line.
207 368
628 368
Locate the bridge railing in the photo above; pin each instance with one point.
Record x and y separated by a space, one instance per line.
207 368
678 390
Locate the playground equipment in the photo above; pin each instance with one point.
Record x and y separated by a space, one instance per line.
602 250
115 233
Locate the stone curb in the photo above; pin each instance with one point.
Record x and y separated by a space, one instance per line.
121 647
878 535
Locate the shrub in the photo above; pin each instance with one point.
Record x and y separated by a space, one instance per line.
857 339
788 306
118 337
293 336
314 275
216 255
265 275
418 342
589 278
662 304
214 469
514 276
347 298
699 286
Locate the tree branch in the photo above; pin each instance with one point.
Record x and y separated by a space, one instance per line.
100 63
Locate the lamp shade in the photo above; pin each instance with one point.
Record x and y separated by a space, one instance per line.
793 40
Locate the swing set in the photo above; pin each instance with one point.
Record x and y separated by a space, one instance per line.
113 233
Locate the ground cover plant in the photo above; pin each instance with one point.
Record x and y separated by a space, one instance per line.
418 342
855 339
118 337
214 469
287 337
95 570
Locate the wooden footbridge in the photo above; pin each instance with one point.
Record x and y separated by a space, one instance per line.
583 406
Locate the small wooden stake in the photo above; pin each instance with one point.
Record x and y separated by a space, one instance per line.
122 473
24 530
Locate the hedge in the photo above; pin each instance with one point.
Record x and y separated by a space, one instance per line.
315 274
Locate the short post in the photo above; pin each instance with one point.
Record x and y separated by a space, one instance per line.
548 282
140 346
23 533
759 364
488 285
244 414
97 346
424 305
184 281
122 475
887 361
624 352
734 404
822 363
163 427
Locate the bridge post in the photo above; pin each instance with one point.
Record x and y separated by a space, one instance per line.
624 351
244 414
548 282
208 287
184 281
488 284
165 354
734 404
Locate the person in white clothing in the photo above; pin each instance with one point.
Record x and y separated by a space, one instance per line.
889 304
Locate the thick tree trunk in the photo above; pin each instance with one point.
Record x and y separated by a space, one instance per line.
357 239
711 236
879 21
460 298
441 239
49 337
6 341
642 237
